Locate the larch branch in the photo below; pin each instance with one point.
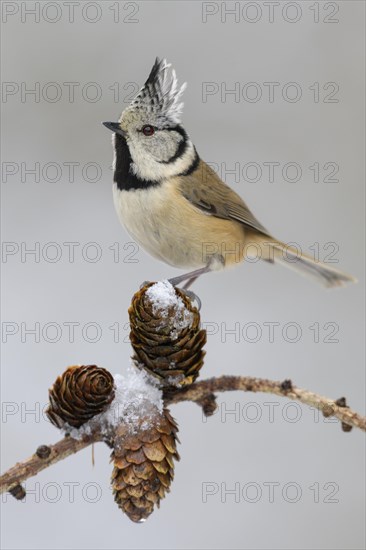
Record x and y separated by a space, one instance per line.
202 393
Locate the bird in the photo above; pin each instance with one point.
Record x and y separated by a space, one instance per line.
175 206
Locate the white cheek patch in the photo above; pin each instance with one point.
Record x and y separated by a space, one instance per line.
145 167
167 145
162 146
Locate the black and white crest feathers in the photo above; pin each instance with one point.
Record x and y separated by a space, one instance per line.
160 95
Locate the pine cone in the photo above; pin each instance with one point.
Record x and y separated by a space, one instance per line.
143 464
165 334
78 394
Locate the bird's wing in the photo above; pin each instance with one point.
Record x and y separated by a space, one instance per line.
205 190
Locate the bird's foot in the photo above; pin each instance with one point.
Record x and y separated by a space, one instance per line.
195 300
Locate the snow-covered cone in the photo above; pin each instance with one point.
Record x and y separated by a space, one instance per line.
80 393
165 334
143 459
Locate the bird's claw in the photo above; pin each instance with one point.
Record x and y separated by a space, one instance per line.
196 302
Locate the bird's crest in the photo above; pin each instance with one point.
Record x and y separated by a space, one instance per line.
160 95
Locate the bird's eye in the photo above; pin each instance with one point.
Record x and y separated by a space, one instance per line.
148 130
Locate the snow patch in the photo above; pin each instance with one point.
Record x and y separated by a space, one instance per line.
164 300
137 396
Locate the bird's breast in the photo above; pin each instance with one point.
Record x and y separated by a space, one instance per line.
171 229
140 211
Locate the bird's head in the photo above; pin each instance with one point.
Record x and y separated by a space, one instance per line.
149 127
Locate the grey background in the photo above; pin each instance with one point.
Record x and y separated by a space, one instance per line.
225 449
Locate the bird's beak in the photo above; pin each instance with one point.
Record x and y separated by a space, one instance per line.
115 127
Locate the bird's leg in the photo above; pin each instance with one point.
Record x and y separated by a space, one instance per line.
195 300
216 261
189 282
189 277
191 295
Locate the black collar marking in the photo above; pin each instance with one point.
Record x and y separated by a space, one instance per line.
123 176
193 167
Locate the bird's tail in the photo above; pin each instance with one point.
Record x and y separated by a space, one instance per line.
278 252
